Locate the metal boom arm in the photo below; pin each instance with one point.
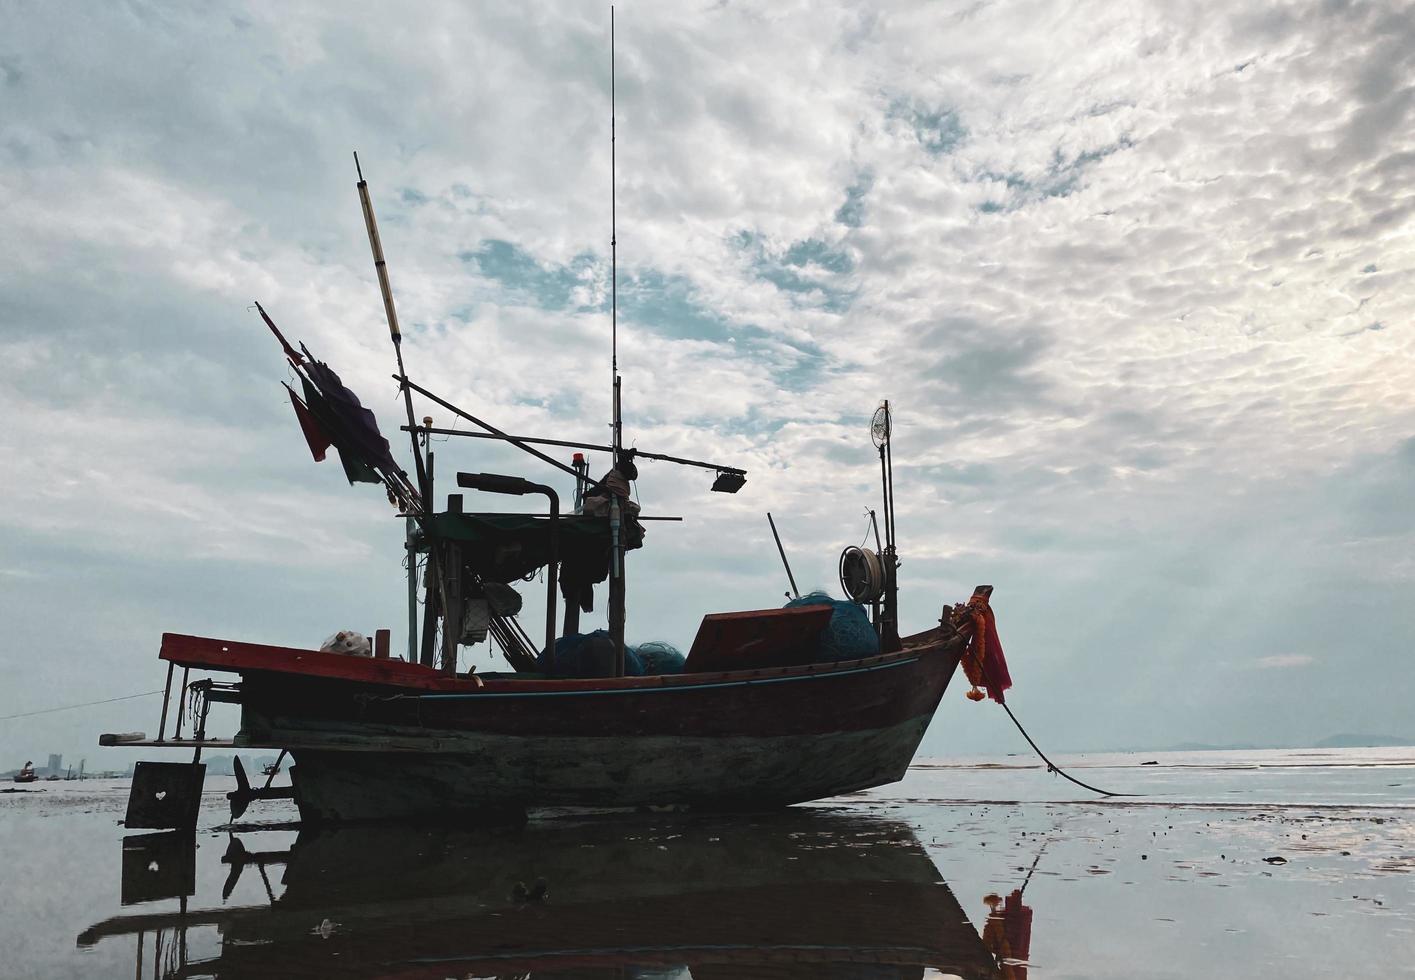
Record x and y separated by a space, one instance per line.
570 444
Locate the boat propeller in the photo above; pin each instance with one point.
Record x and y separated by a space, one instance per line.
243 794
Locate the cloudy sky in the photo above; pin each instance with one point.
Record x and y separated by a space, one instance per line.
1137 277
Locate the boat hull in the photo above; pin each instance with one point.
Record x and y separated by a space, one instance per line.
505 774
722 742
384 740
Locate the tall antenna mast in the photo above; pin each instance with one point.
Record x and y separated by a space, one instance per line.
616 525
618 423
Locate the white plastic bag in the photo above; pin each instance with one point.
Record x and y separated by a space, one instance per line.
349 643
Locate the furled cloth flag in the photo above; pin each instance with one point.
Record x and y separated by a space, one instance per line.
357 467
354 430
983 661
318 441
332 415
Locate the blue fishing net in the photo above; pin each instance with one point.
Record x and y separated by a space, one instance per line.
592 655
848 635
658 657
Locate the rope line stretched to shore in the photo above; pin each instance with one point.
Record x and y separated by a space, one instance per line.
1052 766
70 707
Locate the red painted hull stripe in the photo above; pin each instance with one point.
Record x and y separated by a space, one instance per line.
661 690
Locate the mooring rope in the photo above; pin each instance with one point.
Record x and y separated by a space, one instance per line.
86 704
1051 766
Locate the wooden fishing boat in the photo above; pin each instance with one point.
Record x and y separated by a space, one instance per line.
26 774
770 707
383 738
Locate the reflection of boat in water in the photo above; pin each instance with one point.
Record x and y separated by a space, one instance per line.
785 895
26 773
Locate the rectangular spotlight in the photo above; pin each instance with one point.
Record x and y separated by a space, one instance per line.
729 481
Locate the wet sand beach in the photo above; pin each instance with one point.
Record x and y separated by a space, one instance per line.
1259 865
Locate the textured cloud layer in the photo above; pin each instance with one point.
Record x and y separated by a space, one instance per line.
1137 278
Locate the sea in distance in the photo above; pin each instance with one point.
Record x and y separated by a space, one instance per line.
1254 864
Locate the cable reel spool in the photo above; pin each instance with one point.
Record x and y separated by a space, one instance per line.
861 575
881 426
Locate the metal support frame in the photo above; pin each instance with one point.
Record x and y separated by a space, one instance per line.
181 702
431 594
201 718
411 527
516 486
453 605
166 696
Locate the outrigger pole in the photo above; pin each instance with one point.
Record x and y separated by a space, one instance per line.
449 651
391 313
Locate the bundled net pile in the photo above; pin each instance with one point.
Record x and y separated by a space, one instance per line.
592 655
849 635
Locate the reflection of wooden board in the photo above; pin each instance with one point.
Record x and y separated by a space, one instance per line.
158 866
757 639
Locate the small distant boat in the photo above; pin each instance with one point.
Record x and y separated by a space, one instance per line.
26 774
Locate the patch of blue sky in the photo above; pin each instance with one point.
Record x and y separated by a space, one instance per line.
559 404
811 270
666 305
813 251
1063 177
550 287
669 307
937 129
851 214
807 363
